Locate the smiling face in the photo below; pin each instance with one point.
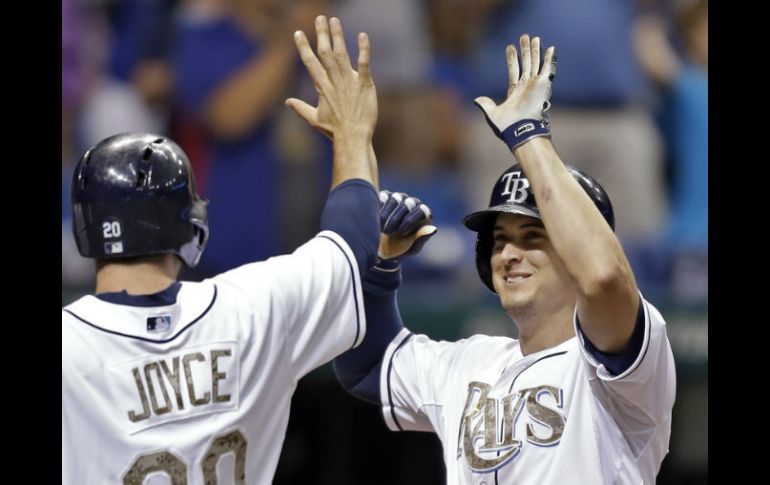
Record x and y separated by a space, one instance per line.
527 273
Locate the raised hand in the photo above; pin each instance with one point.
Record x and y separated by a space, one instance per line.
525 110
347 99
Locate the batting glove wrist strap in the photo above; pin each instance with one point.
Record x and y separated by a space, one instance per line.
522 131
387 265
384 277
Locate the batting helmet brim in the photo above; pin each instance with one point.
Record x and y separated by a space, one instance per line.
480 220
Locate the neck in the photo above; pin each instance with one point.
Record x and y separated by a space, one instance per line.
540 332
137 276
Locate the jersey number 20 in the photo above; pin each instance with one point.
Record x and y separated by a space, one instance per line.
176 469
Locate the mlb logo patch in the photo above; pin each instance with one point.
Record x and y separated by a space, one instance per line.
158 324
113 247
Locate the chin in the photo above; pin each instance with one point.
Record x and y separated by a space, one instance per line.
512 301
519 309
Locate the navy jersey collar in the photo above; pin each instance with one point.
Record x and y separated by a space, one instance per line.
162 298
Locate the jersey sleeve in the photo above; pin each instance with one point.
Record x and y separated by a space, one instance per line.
415 369
315 299
642 396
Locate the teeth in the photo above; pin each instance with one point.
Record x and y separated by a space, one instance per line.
511 279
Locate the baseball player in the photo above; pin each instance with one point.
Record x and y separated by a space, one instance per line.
584 395
168 382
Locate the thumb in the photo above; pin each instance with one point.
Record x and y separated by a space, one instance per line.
421 237
393 246
304 110
426 231
485 104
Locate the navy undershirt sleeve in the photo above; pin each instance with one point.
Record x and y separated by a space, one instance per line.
352 211
617 363
358 370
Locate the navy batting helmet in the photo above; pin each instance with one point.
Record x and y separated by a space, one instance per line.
134 194
513 194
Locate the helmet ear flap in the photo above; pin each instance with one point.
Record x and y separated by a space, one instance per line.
200 220
197 217
484 254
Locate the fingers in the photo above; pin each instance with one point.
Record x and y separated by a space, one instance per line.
549 63
425 210
314 67
384 195
399 220
405 225
324 47
535 57
513 67
417 216
530 61
339 48
401 214
526 57
387 207
392 213
333 60
364 58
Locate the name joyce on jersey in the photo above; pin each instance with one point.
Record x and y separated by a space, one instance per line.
196 381
494 430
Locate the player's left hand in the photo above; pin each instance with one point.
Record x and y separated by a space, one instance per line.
529 88
405 225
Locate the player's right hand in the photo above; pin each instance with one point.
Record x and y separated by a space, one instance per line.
347 99
529 87
405 225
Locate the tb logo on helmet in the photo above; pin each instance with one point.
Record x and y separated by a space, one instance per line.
516 187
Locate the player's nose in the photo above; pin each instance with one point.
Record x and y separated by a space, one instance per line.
511 253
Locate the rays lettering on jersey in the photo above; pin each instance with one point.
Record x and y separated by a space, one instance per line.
151 384
487 435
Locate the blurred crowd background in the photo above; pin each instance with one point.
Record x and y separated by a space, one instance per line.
630 107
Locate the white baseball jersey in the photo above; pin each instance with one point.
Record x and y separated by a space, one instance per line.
199 391
553 417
